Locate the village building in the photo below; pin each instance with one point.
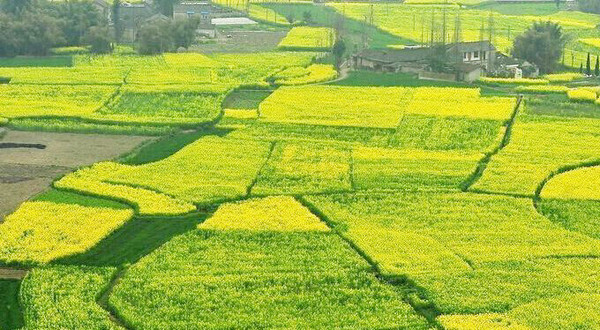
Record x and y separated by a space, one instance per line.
133 16
470 59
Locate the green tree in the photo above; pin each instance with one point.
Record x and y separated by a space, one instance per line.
117 20
99 39
588 66
542 44
184 32
15 7
36 33
597 68
155 39
165 7
339 48
8 42
75 18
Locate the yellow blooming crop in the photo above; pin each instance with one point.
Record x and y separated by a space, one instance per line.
308 38
490 321
577 184
93 181
337 106
542 89
536 149
313 74
563 77
241 113
412 169
39 232
64 297
300 168
62 101
381 107
582 95
67 76
514 81
207 171
459 102
594 42
265 214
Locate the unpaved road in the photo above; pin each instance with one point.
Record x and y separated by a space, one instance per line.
25 172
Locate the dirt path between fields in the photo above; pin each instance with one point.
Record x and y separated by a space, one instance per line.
12 274
27 169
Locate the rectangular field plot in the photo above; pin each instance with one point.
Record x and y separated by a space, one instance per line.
65 76
539 146
171 76
308 38
274 213
136 103
480 228
412 169
39 232
381 107
59 101
314 133
300 168
65 297
264 280
336 106
470 253
207 171
459 102
447 133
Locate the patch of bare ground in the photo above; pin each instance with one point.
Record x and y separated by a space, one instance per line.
12 274
25 172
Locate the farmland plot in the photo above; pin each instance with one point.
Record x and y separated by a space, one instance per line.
411 169
65 297
296 168
407 21
308 38
207 171
470 253
39 232
380 107
266 280
52 100
539 146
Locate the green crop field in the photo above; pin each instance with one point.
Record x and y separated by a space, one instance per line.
286 190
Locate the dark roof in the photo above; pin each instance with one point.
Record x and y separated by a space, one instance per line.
471 46
134 15
196 7
395 55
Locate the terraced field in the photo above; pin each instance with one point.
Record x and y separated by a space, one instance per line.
272 200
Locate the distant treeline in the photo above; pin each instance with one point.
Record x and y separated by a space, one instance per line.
30 27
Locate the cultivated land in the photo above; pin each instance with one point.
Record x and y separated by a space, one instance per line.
264 189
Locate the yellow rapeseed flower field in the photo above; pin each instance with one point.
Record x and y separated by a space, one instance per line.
581 183
39 232
279 213
93 180
308 38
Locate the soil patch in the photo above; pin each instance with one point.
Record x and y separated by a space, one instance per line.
27 171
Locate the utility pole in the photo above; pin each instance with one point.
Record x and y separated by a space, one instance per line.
432 26
444 25
457 39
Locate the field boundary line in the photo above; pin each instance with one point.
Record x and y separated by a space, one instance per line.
421 305
483 163
260 170
104 296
